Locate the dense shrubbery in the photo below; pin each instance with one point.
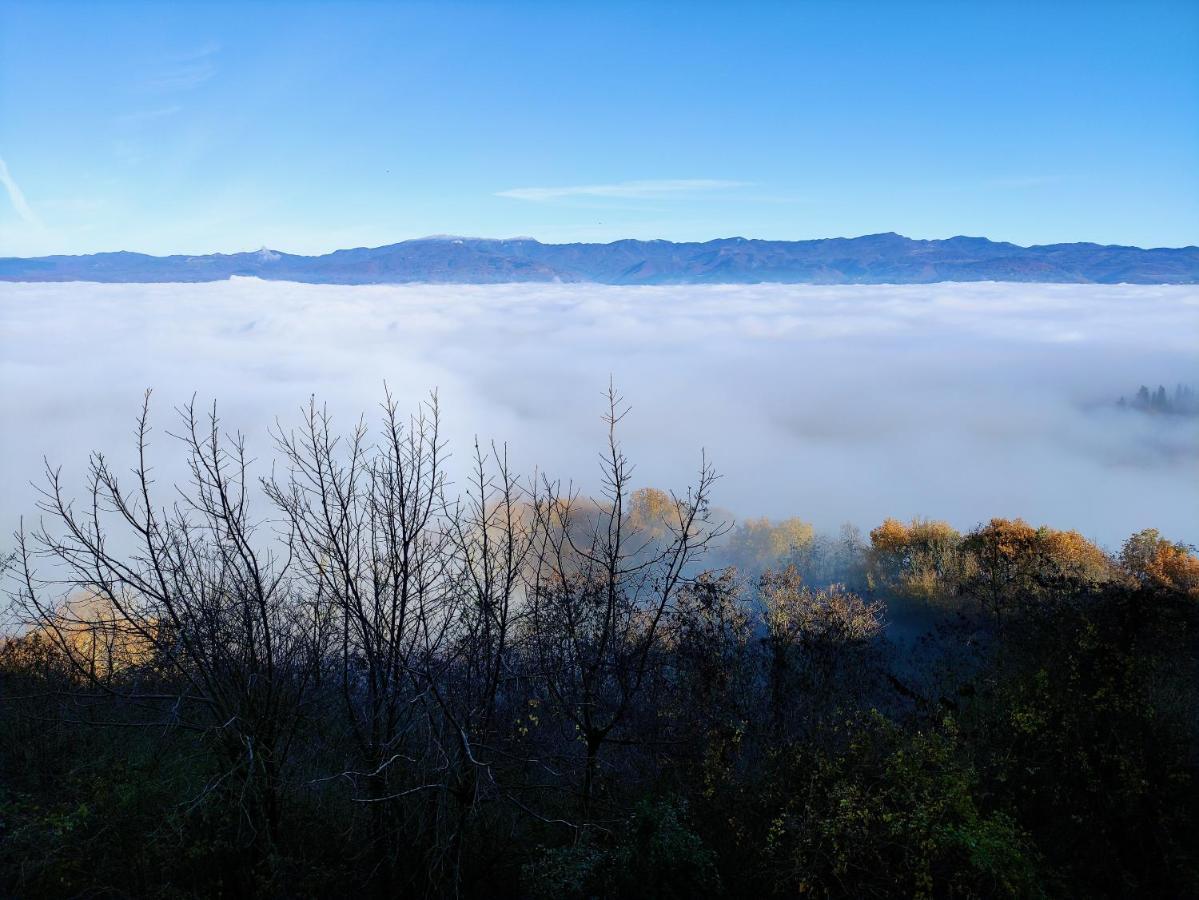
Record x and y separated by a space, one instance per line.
370 686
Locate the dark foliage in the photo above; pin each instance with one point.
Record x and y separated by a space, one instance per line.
522 692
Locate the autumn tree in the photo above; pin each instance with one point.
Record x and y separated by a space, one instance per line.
1158 563
809 636
758 544
1014 564
921 561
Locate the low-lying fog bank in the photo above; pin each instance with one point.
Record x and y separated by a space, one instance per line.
954 401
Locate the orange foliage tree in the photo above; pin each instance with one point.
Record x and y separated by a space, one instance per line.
921 560
1156 562
1014 564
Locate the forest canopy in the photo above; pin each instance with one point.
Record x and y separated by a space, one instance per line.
353 676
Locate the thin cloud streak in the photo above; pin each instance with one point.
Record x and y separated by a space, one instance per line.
624 190
1024 181
16 196
148 115
185 72
182 79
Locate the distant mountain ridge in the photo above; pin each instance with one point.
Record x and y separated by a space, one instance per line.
871 259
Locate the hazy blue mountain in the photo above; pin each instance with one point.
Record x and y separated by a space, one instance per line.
872 259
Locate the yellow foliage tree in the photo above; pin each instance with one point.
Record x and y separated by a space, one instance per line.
650 512
809 633
759 544
1015 564
921 560
91 639
1156 562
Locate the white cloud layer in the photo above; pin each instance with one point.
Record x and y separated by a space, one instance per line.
832 403
624 190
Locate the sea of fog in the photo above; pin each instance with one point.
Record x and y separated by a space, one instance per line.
848 403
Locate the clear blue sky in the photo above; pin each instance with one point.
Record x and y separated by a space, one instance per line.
175 127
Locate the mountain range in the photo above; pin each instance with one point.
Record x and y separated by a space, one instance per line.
871 259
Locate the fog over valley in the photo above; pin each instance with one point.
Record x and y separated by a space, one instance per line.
839 403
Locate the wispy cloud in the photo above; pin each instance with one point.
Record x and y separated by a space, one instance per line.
624 190
1023 181
16 197
186 71
148 115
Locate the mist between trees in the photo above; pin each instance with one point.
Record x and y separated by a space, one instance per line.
352 676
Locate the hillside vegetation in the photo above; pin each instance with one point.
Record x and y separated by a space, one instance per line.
354 678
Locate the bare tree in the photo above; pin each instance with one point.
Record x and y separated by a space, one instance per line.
369 529
433 623
195 621
598 592
490 533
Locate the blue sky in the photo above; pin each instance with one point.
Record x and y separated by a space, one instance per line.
307 127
